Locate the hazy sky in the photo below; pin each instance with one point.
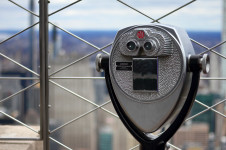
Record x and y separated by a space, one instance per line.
110 14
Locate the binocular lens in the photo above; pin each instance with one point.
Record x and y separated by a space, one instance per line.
147 45
131 45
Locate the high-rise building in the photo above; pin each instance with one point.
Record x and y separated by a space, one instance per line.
209 116
79 135
192 136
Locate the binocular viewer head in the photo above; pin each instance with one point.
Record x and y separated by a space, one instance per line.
150 73
145 42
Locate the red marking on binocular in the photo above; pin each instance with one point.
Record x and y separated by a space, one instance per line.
140 34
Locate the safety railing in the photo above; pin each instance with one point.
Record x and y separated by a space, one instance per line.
44 78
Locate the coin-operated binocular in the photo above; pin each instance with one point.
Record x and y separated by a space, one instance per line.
152 75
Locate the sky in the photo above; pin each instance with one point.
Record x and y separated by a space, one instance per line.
203 15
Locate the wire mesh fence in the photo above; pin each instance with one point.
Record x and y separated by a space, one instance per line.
80 114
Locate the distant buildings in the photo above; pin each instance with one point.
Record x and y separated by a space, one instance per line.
99 130
194 136
80 135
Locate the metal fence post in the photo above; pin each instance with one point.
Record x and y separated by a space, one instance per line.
44 77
